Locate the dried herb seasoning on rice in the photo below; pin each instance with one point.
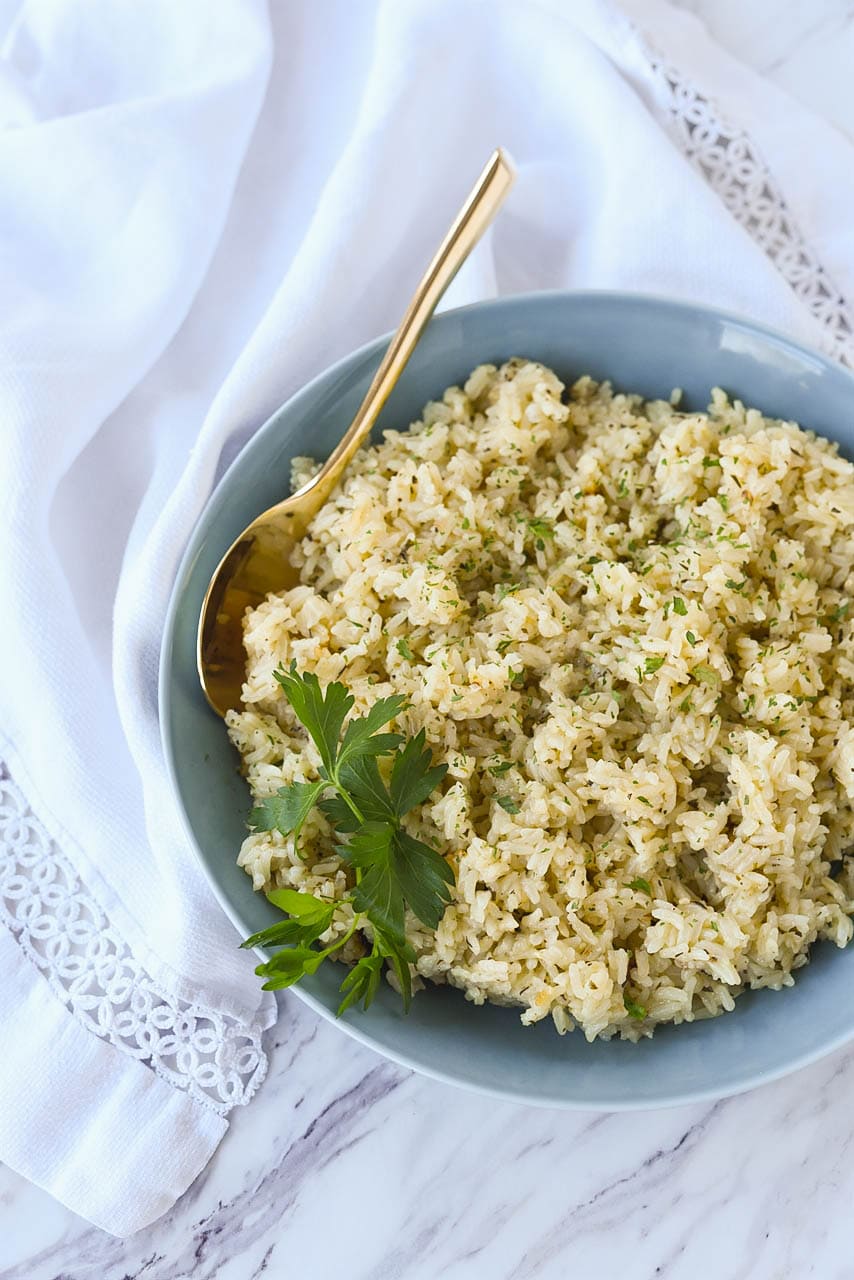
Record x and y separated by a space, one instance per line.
625 631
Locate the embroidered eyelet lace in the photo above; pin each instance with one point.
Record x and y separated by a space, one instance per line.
66 935
733 167
58 924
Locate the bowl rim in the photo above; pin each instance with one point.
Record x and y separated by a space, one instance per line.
374 346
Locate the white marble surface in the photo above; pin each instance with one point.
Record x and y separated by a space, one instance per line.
347 1165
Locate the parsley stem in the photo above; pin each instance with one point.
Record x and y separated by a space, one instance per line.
348 800
354 924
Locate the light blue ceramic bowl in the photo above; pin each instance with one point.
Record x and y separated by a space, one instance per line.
642 344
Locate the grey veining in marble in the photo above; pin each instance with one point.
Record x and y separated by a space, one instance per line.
349 1165
345 1165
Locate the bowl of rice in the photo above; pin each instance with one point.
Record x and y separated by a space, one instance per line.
602 544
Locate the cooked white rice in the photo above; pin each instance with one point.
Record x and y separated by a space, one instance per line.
627 623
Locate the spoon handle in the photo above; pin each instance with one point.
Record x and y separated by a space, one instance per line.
480 207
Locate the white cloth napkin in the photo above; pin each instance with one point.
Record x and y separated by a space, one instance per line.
201 206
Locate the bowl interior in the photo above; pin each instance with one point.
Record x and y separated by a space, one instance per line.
641 344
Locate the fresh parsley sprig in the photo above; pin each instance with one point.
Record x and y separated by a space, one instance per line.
392 870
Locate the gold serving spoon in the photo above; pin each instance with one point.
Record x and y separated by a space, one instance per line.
259 561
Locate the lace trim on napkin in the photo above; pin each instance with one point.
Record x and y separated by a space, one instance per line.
733 167
218 1060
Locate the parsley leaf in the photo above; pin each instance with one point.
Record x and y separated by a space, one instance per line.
404 650
393 870
508 804
361 737
361 782
680 607
400 956
288 809
640 885
287 967
413 775
303 906
310 917
633 1009
540 528
338 813
284 933
362 982
321 715
653 664
424 877
378 890
396 868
